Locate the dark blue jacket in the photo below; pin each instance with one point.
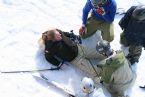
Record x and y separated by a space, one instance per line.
110 10
134 30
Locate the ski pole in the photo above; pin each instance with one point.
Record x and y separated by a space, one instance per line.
94 70
37 70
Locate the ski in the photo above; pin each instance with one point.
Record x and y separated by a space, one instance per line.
56 85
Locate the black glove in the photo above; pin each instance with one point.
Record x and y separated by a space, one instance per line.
75 38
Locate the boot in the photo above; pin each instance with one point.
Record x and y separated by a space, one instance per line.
134 54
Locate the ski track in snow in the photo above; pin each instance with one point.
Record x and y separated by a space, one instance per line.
22 22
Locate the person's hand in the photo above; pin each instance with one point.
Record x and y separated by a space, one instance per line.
100 11
57 36
82 30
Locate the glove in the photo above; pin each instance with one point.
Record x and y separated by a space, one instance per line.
82 30
100 11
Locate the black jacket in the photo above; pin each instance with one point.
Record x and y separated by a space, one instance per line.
134 30
65 49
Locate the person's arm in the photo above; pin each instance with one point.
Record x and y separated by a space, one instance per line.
109 12
124 21
73 37
108 17
67 41
86 10
50 58
50 53
65 33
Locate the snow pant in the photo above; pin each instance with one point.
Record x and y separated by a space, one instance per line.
122 79
134 51
107 29
83 60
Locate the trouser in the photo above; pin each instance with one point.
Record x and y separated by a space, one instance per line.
119 89
82 61
134 51
107 29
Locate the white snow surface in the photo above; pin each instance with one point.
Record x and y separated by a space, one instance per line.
21 25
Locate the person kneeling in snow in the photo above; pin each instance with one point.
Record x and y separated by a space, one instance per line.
133 36
101 18
117 74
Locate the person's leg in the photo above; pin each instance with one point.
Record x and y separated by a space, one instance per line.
91 27
123 40
117 87
91 53
107 30
134 53
85 64
127 80
91 41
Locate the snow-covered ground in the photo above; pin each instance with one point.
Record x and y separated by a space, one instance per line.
21 25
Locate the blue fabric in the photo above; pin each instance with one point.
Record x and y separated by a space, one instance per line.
110 10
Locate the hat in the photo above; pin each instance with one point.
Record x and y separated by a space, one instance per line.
139 13
104 48
87 85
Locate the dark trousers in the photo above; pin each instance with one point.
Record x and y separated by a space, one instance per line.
134 51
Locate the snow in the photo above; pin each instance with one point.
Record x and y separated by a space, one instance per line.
22 22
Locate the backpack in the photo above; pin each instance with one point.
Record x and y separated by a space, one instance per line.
111 65
135 32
